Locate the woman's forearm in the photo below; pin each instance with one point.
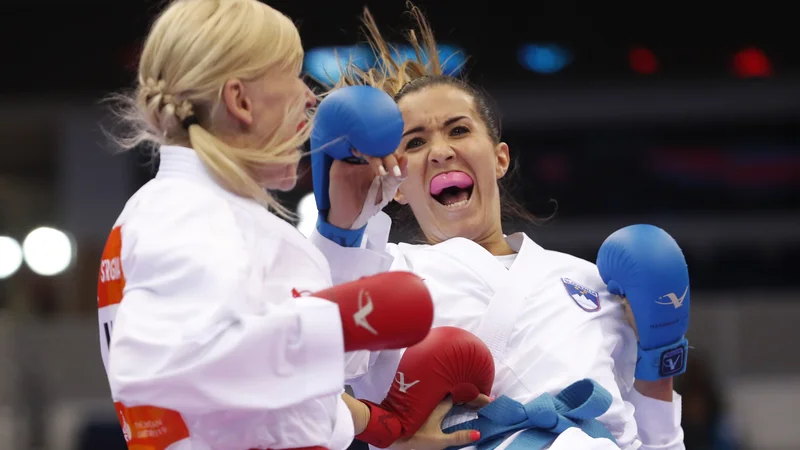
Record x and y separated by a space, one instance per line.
359 411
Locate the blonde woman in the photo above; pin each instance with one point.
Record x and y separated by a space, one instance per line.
208 333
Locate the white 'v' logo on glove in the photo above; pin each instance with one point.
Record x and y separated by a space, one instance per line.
365 307
674 300
401 381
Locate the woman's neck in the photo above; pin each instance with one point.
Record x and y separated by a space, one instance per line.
496 244
492 240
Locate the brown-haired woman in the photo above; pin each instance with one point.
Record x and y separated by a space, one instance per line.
547 316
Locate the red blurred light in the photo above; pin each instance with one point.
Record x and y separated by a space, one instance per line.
751 62
643 61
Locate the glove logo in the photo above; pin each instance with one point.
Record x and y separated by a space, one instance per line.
672 362
587 299
401 381
674 300
364 309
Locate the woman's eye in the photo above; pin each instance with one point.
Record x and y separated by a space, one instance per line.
458 131
414 143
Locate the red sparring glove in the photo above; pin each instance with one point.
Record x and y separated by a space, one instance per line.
391 310
449 361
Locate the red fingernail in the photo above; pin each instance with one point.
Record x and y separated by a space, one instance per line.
492 398
474 435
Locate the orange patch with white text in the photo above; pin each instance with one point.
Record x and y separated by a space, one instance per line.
111 280
150 428
144 427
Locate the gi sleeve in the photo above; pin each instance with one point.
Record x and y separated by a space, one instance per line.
370 374
659 422
351 263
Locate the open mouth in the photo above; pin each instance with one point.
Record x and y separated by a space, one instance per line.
452 189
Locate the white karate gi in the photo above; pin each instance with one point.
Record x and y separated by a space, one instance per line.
210 349
542 337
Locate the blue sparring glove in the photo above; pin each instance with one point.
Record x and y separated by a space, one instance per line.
349 118
645 264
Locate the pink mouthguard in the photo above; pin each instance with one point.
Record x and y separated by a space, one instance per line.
450 179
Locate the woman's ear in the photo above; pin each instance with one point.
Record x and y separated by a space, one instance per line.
237 102
503 160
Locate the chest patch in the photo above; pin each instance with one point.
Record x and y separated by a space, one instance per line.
586 298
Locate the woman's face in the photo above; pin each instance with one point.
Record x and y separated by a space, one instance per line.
453 165
272 106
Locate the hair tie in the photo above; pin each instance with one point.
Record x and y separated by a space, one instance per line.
189 121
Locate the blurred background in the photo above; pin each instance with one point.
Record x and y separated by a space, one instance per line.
680 114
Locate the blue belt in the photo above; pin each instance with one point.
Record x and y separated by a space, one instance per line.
543 418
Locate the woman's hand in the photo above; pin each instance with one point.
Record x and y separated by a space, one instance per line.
350 184
479 402
431 436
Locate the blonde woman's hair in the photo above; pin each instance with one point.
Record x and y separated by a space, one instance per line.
192 49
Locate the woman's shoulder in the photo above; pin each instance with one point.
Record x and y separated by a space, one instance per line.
583 271
173 220
176 207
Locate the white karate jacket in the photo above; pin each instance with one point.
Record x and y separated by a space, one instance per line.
203 340
543 338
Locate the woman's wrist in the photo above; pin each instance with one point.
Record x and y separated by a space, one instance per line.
659 389
359 411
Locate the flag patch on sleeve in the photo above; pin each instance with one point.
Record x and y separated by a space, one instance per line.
586 298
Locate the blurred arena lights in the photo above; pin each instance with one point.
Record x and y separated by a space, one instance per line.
47 251
324 64
643 61
10 256
752 62
544 58
307 213
451 57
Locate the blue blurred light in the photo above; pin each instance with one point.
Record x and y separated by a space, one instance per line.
544 58
324 63
451 57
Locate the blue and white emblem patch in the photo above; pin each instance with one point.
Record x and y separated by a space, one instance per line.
586 298
672 362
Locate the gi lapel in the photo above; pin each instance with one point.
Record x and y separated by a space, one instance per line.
509 298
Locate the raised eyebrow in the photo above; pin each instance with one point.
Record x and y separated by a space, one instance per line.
413 130
447 122
453 120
